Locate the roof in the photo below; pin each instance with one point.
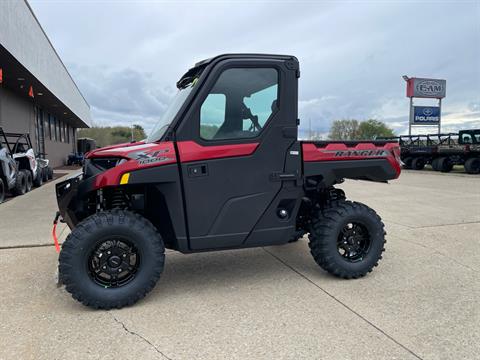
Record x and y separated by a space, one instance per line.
22 36
199 66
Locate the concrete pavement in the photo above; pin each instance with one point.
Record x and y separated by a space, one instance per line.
275 302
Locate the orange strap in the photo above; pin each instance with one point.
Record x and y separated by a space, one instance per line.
55 239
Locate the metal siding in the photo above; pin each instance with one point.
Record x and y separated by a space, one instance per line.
23 37
17 115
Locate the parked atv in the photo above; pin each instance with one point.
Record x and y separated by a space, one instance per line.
75 158
20 168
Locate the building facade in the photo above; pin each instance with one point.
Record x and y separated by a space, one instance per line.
37 94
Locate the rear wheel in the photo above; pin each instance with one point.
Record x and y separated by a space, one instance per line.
472 166
111 259
44 174
347 239
50 173
407 163
418 163
28 175
20 184
2 190
38 181
444 164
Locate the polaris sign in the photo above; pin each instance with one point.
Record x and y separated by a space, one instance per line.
426 115
426 88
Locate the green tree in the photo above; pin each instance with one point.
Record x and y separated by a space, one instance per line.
109 135
346 129
372 129
350 129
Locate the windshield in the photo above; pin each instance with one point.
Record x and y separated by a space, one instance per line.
172 110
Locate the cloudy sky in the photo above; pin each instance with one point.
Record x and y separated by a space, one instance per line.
127 55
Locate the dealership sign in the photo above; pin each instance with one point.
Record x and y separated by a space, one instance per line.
426 115
426 88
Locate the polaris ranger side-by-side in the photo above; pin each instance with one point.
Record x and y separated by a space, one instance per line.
223 169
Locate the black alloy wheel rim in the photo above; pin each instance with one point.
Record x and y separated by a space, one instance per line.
353 242
113 263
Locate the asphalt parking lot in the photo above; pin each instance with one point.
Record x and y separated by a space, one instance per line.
422 302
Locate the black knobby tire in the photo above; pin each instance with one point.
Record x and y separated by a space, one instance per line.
472 166
327 240
29 180
418 163
38 181
20 184
444 164
44 175
3 190
77 259
50 173
407 163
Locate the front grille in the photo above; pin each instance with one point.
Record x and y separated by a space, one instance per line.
105 163
98 165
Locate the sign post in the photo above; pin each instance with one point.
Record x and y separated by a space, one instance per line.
425 88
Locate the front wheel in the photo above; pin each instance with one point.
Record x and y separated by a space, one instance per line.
444 164
347 239
20 184
418 163
111 259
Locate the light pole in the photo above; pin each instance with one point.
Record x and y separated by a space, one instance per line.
410 116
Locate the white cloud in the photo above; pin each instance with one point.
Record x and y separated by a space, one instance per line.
126 56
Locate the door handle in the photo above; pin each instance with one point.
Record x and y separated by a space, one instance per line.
197 170
278 176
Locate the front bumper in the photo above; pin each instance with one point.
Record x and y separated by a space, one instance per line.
68 198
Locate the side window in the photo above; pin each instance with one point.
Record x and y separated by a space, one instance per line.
212 115
239 104
466 138
262 104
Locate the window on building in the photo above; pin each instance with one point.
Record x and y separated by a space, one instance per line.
50 126
239 104
74 139
56 128
46 126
